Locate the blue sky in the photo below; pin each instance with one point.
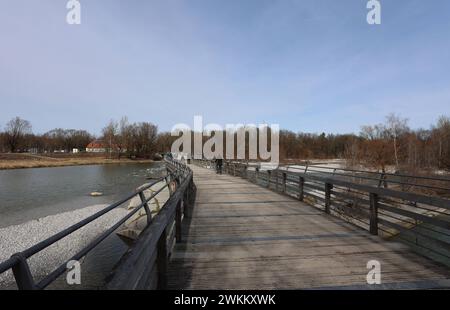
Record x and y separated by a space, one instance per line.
309 66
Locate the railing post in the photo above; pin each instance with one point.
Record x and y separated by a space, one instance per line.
178 180
380 181
234 169
284 182
269 173
168 185
256 175
188 207
328 188
146 207
301 184
22 274
161 261
178 215
373 213
276 180
188 195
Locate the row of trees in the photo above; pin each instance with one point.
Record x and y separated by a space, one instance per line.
392 143
309 146
136 139
18 137
118 138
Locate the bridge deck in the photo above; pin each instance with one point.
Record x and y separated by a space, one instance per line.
243 236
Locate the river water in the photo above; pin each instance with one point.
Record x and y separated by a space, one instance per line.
27 194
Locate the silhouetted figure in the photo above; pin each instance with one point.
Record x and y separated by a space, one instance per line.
219 165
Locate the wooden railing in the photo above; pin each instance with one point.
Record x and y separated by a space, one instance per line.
145 264
420 220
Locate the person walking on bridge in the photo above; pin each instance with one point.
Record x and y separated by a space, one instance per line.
219 165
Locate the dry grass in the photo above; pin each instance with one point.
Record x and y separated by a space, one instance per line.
19 161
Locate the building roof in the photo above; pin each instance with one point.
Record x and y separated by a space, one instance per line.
97 144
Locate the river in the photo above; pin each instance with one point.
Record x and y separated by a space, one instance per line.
27 194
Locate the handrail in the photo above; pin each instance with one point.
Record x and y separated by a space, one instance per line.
436 178
380 175
145 265
178 172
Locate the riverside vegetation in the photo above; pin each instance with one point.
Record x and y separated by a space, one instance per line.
391 145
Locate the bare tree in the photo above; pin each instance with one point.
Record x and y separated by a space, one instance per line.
110 136
124 139
442 133
352 152
376 146
144 139
396 126
2 142
15 132
164 142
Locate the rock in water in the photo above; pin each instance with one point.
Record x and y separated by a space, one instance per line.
96 194
137 223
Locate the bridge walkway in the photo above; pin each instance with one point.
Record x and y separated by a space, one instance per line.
244 236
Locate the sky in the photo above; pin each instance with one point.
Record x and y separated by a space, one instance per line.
310 66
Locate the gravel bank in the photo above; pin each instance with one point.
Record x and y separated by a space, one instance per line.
17 238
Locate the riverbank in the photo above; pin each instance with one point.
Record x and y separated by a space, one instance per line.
21 161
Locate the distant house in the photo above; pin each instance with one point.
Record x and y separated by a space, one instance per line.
96 146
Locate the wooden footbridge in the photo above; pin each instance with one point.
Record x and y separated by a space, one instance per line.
245 236
285 228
